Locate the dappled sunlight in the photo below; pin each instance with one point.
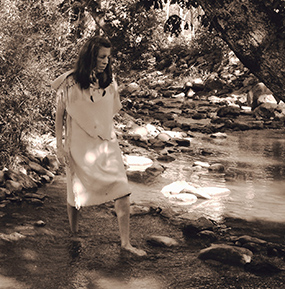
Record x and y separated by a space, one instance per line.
9 283
90 158
78 190
137 163
96 279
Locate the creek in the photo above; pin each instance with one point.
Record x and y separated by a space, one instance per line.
257 185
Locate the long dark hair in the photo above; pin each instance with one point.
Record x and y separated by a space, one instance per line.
87 61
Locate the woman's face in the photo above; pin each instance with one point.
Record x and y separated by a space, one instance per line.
103 58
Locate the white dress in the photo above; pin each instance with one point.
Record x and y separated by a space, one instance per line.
95 170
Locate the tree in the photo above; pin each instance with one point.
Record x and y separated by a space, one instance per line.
254 30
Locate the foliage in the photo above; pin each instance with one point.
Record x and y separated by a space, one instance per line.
40 39
31 34
130 28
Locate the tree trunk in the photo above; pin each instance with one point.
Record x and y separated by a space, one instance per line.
254 30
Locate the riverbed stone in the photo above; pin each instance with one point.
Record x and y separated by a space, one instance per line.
225 111
219 135
26 182
191 228
11 237
183 142
3 193
40 169
162 241
166 158
2 178
248 239
262 266
40 223
265 111
208 235
226 254
13 187
136 210
218 168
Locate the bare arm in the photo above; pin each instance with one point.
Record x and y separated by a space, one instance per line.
59 117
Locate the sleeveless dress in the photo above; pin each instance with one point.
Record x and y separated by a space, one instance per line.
95 170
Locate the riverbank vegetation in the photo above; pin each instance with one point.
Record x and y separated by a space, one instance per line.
40 40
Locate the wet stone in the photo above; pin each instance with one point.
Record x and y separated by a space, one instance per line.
193 227
162 241
227 254
40 223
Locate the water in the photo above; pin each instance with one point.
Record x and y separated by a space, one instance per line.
255 175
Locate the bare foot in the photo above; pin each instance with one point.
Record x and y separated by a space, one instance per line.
134 251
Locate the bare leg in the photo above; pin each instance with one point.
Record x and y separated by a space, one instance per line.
122 207
73 216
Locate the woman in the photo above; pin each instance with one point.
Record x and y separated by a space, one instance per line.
87 100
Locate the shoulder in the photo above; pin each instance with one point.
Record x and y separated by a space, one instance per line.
65 78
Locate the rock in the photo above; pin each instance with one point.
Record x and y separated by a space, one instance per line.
262 267
35 202
183 142
13 187
136 210
157 143
265 111
198 84
165 158
168 213
155 170
213 83
3 193
201 164
135 176
11 237
191 228
133 87
162 241
230 111
34 196
199 115
227 254
219 135
174 188
137 163
259 94
219 168
214 191
2 178
253 247
208 235
40 169
51 163
163 137
248 239
183 198
39 223
26 182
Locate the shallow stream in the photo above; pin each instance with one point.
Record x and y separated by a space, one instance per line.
254 173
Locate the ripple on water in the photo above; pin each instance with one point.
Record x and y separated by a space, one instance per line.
256 181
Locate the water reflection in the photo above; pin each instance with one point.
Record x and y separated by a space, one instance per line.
255 174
